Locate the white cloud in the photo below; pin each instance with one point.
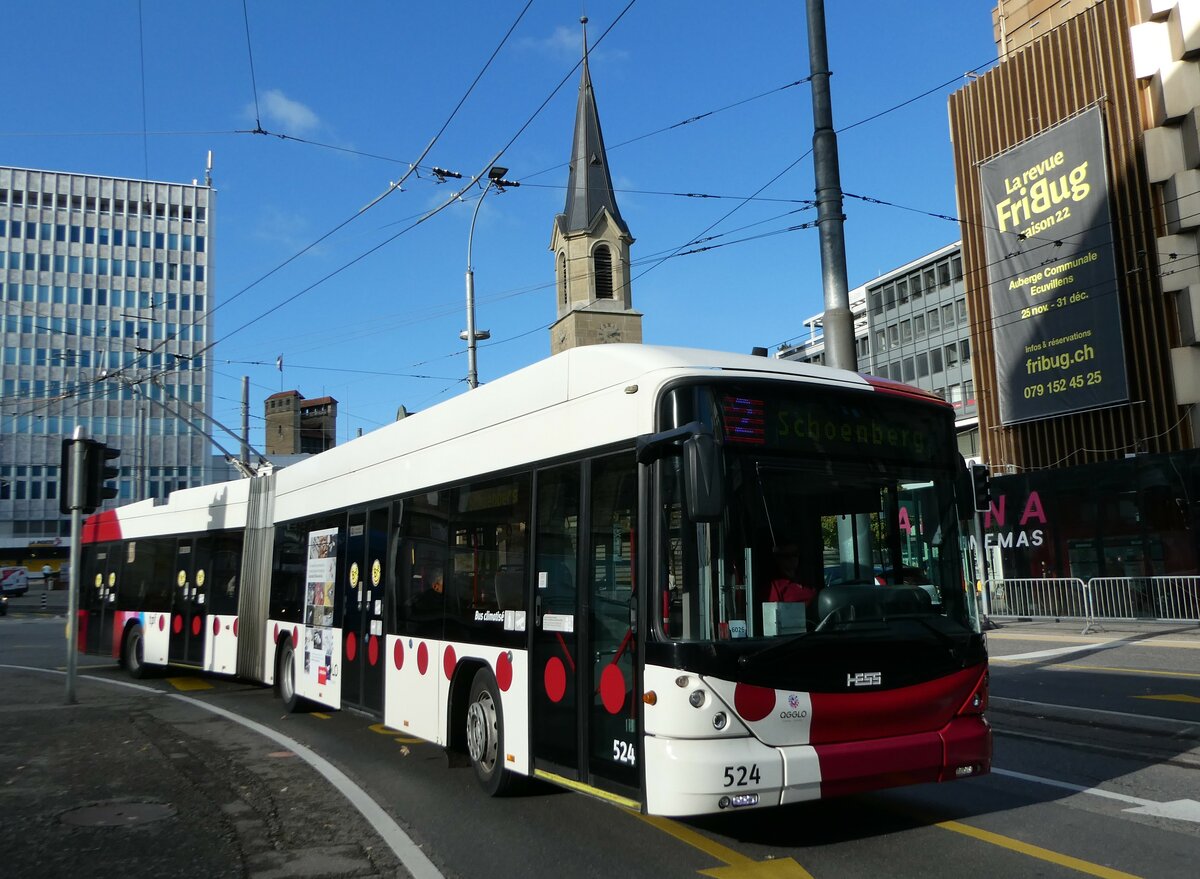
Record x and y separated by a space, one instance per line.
292 116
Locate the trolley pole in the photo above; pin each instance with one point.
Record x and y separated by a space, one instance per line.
76 501
838 322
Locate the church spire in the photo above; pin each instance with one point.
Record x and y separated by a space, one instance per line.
591 242
589 185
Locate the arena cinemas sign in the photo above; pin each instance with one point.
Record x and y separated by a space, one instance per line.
1056 315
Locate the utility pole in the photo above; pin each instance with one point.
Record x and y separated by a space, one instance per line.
246 420
838 323
76 489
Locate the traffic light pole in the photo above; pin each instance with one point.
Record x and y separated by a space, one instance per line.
78 475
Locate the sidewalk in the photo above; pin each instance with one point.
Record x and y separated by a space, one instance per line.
142 784
39 600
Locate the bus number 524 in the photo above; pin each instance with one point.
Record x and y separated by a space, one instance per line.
741 776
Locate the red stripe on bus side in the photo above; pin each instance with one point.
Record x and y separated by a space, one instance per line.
102 527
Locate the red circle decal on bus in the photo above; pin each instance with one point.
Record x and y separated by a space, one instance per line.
753 703
235 627
398 654
612 688
351 647
449 661
197 622
295 635
162 621
504 671
372 649
216 627
176 624
422 657
554 679
276 633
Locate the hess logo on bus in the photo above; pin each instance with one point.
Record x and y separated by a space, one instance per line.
864 679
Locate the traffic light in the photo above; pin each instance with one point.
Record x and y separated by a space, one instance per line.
64 476
981 484
96 473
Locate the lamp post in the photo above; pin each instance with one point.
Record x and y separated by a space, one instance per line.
470 334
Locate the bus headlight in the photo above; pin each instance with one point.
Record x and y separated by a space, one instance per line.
720 721
697 698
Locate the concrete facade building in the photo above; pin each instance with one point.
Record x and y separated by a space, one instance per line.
104 284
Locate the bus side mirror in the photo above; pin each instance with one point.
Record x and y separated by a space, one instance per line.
704 481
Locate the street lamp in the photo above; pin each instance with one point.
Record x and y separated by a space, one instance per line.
470 334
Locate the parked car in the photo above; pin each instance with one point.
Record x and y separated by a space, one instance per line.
14 581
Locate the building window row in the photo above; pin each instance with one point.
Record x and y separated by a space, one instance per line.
47 389
55 294
100 327
86 359
927 363
60 232
28 482
95 425
130 207
914 285
101 265
959 396
918 326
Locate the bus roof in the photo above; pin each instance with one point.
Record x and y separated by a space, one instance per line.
587 397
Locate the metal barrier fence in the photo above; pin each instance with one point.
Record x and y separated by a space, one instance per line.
1165 599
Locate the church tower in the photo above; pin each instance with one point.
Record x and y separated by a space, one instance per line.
591 242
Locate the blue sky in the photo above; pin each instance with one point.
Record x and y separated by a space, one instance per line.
371 83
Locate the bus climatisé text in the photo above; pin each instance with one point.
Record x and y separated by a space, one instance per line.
565 574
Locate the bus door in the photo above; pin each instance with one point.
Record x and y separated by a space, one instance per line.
97 588
188 605
362 619
585 670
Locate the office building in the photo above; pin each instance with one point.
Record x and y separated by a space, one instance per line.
911 325
104 284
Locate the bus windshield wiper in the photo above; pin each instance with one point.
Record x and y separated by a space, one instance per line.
772 649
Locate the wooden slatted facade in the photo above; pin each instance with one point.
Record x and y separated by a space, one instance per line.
1082 63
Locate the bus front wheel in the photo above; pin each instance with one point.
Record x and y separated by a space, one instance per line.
485 735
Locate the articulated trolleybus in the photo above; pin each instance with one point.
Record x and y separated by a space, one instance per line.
573 573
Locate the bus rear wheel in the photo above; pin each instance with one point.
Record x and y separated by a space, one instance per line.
134 653
285 677
485 736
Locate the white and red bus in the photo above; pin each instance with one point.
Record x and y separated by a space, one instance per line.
567 573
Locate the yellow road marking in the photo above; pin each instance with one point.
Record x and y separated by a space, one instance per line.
586 789
385 730
186 684
1035 851
320 715
1173 697
737 865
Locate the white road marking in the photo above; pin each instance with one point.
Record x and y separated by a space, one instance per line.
1179 810
1059 651
410 855
1186 724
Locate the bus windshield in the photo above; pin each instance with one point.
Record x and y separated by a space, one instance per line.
828 528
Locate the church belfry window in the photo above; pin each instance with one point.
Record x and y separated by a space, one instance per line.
562 277
604 272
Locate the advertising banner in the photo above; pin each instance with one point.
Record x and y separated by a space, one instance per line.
1056 317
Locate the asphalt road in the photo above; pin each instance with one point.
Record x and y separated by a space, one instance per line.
1097 751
